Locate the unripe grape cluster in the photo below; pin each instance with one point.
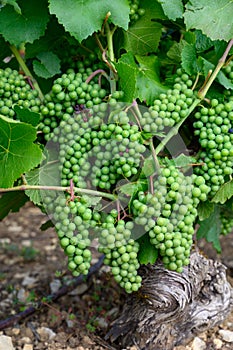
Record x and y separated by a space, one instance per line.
170 107
214 128
16 90
69 94
72 219
98 152
169 213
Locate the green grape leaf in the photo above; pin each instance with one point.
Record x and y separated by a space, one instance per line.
129 188
189 59
174 53
47 66
149 167
148 84
202 43
91 201
212 17
83 18
46 175
210 229
127 72
183 161
27 116
18 153
147 254
144 35
172 9
221 77
205 209
11 202
12 3
224 193
25 27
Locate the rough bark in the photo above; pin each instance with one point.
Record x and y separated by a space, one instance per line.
171 308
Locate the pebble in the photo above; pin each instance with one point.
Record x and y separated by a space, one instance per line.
218 343
45 333
80 289
198 344
25 340
29 281
28 347
6 343
55 285
226 335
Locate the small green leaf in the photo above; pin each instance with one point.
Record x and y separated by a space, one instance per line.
27 116
203 43
149 167
175 51
25 27
212 17
18 153
148 83
47 66
91 201
46 175
127 72
224 193
83 18
147 254
172 9
189 59
182 160
221 78
210 229
129 188
205 209
11 202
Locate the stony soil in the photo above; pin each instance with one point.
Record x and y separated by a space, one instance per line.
32 266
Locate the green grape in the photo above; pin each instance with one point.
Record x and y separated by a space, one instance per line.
169 107
216 140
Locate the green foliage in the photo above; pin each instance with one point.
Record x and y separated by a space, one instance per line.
47 66
136 139
16 22
212 17
18 152
90 15
210 229
11 202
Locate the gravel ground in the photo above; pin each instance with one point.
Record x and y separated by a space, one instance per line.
32 266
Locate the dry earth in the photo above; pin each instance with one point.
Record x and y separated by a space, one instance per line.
32 266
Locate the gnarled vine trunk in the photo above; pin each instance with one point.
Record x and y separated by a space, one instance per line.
171 308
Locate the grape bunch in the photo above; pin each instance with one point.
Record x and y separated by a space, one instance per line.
213 126
72 219
69 94
121 253
169 213
228 70
97 154
170 107
16 90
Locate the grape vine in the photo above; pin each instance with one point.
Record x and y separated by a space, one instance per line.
137 135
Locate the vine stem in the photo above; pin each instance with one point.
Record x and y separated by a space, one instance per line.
203 91
109 34
26 70
175 129
58 188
